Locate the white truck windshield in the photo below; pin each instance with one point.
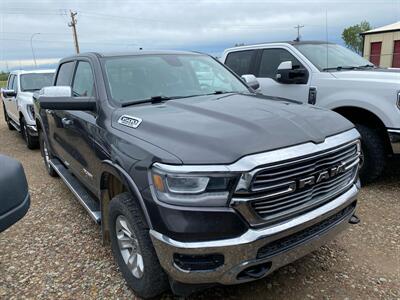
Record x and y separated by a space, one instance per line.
331 56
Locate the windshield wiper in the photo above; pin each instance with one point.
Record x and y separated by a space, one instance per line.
339 68
153 99
228 92
366 66
158 99
219 92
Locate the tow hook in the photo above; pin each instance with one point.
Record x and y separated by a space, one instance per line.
255 272
354 219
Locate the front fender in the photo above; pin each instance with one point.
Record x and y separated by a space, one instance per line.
379 100
390 116
22 106
107 166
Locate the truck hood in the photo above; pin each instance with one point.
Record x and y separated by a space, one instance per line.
220 129
374 75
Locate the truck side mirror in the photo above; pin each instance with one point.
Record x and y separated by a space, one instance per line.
14 200
251 81
8 93
286 73
61 98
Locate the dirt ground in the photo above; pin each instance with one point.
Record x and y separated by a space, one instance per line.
56 250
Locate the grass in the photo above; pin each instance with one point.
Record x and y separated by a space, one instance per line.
3 84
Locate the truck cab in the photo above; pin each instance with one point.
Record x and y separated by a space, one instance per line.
330 76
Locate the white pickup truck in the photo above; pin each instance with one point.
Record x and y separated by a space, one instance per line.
334 77
18 101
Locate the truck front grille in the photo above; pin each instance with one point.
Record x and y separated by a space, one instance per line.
293 187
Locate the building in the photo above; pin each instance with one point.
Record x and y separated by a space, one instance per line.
382 45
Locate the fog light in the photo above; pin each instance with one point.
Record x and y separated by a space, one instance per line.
198 262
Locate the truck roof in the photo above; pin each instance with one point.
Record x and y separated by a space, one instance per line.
19 72
293 43
131 53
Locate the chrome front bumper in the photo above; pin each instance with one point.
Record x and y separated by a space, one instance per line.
394 137
241 253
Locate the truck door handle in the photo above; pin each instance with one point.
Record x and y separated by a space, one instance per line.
67 122
49 111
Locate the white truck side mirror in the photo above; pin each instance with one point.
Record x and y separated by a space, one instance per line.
285 65
251 81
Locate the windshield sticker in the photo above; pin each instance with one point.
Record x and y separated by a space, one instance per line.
129 121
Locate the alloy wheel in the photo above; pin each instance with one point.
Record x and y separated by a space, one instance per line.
129 246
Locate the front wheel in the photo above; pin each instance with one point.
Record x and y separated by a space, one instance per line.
373 154
44 149
133 249
31 141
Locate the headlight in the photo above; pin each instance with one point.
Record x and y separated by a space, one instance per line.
398 100
31 111
191 188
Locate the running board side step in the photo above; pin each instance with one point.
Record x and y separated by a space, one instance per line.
87 201
15 125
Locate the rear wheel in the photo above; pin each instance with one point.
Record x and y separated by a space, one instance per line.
7 119
133 249
31 141
46 155
373 154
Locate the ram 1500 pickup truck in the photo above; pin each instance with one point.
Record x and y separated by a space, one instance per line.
331 76
196 179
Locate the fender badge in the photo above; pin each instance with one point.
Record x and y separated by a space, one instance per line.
129 121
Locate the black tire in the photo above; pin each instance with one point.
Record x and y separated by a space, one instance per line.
46 155
153 280
31 141
373 154
7 119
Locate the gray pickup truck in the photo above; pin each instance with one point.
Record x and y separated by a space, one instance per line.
195 179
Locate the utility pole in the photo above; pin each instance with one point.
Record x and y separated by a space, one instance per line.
73 25
298 27
33 52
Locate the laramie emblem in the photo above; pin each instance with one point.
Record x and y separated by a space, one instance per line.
129 121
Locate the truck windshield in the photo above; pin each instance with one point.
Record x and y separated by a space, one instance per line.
35 81
149 76
332 57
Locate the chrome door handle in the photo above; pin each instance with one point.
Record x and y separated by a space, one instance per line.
67 122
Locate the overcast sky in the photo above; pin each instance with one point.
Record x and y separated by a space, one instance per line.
208 26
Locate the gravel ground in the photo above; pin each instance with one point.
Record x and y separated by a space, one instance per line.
56 250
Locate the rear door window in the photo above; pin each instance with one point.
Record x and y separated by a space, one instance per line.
240 61
65 72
